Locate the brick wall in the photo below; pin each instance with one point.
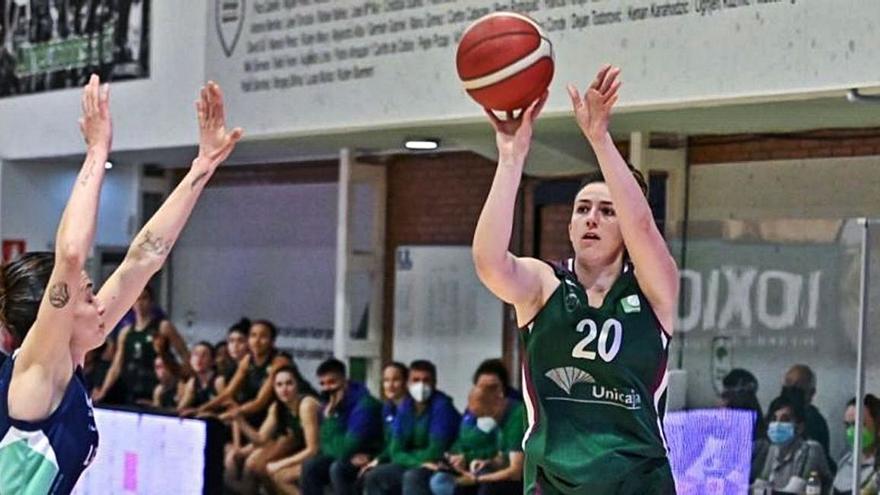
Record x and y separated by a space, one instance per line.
432 200
759 147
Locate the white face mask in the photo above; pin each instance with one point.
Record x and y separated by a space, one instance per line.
420 391
486 424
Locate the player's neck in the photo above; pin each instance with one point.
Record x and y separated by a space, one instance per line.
205 376
141 320
598 277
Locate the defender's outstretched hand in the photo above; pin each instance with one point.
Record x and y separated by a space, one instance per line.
215 141
95 123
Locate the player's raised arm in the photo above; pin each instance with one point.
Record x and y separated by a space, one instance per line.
654 265
152 244
515 280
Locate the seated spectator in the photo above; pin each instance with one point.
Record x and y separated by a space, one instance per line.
250 391
136 353
351 427
494 372
741 392
487 456
786 461
169 387
472 443
801 378
868 459
287 437
204 384
394 378
425 427
234 349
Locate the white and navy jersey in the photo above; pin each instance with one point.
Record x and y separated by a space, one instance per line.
46 456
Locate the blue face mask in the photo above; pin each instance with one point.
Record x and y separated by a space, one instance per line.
780 432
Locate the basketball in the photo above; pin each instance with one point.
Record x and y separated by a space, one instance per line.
504 61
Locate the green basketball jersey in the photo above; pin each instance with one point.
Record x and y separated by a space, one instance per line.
595 388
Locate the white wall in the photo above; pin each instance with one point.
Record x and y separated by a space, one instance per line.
266 251
148 113
32 198
302 56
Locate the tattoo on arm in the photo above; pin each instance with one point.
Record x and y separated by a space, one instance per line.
154 244
87 173
198 179
59 295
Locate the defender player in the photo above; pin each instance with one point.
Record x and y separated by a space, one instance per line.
596 327
47 307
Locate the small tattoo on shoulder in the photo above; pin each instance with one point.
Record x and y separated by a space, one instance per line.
59 295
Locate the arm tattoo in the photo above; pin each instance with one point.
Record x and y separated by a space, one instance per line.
59 295
87 173
154 244
198 179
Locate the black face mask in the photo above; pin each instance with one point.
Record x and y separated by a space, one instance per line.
326 395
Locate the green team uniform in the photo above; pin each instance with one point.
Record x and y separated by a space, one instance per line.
595 391
507 437
512 429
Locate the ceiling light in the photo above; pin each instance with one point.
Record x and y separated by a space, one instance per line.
426 144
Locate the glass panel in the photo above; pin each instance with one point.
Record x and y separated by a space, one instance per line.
764 304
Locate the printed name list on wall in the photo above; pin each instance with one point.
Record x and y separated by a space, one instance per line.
336 60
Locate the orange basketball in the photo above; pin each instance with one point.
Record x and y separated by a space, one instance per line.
504 61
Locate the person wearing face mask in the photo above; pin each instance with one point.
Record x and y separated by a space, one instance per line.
351 432
785 460
868 466
425 427
487 457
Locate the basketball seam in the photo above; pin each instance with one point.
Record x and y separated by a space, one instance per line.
512 69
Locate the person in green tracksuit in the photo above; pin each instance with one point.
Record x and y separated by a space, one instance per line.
394 378
596 327
351 425
487 457
425 426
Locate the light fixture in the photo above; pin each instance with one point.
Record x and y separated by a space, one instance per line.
854 96
422 144
108 165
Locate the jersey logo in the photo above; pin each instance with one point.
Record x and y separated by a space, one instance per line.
568 376
631 304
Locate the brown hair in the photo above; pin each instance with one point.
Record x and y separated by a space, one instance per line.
596 176
22 284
